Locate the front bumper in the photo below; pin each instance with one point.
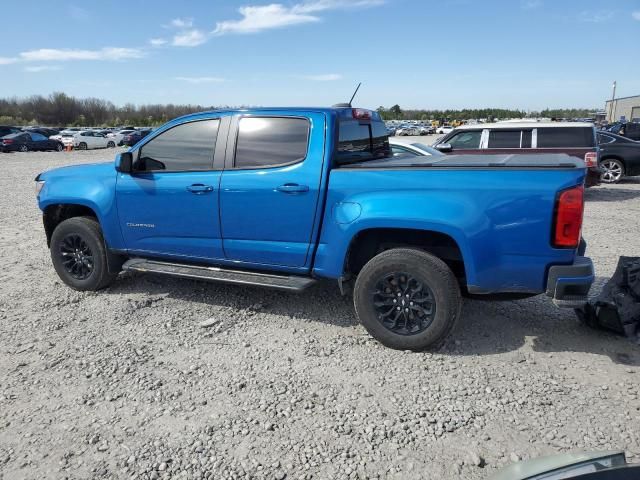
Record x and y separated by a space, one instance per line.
569 285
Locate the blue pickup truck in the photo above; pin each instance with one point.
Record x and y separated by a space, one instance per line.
284 197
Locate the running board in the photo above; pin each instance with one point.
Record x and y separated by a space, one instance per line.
215 274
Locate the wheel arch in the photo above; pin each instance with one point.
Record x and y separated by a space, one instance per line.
56 213
613 156
369 242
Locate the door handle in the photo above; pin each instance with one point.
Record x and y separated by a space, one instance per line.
199 188
292 188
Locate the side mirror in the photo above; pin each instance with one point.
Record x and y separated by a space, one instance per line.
444 147
124 162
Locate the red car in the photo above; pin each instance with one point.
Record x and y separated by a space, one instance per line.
573 138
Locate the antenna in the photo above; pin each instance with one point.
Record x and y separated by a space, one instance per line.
344 105
354 93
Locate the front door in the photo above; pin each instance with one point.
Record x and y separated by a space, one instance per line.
270 188
169 205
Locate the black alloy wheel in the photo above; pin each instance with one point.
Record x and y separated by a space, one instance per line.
77 257
404 304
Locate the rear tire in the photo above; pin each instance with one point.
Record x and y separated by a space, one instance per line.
613 170
59 147
23 148
82 146
407 299
79 255
111 144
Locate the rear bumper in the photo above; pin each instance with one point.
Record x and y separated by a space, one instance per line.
570 283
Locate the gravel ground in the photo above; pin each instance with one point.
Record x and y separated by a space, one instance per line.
129 383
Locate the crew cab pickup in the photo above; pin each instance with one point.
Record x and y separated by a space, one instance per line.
284 197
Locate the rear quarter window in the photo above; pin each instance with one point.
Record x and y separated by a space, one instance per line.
566 137
360 141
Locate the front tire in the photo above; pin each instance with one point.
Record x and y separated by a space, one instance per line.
79 255
111 144
59 147
82 146
613 170
407 299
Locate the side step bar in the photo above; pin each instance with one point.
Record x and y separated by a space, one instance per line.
215 274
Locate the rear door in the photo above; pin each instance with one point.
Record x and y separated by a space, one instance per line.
270 188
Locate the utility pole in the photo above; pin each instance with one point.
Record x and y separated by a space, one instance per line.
613 97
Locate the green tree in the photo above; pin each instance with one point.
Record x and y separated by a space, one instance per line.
396 112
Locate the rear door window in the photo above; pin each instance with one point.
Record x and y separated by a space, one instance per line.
565 137
36 137
604 139
466 140
504 138
271 141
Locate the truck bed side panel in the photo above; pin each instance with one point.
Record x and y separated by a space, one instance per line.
501 218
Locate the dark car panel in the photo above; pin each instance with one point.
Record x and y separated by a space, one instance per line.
620 148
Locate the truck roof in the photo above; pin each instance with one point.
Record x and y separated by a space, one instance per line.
342 111
516 125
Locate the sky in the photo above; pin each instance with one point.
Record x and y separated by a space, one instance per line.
526 54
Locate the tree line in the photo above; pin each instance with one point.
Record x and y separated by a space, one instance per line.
397 113
60 109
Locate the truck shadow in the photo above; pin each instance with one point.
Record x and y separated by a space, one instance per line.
614 193
534 325
486 327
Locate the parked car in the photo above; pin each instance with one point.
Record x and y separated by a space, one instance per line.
629 130
87 139
134 137
573 138
444 129
283 197
8 130
58 136
26 141
399 148
47 132
406 130
118 136
619 157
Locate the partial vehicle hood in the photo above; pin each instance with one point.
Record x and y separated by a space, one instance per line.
93 170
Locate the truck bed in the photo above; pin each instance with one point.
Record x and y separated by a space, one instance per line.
497 208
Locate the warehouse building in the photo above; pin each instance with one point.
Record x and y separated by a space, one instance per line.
625 108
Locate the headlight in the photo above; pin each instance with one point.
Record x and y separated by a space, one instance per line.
39 185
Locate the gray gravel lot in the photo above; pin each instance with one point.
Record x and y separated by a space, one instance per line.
127 383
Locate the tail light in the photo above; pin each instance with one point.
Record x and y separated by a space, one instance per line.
568 218
591 159
7 141
361 113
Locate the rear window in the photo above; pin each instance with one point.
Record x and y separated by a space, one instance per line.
566 137
360 141
504 138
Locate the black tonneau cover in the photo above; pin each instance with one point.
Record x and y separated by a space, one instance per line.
524 160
